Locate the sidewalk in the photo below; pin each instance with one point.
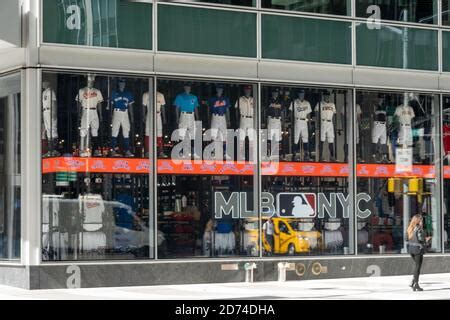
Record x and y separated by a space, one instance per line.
436 286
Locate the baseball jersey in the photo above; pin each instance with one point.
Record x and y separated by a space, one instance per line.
327 110
89 97
245 105
92 207
219 105
380 113
121 100
275 108
160 100
186 102
48 100
405 114
301 108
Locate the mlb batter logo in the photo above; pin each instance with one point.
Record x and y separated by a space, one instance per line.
296 205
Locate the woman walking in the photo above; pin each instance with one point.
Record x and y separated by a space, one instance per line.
416 247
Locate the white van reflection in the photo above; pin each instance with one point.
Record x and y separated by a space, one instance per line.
74 229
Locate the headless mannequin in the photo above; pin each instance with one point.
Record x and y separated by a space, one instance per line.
122 86
245 114
306 157
274 132
380 148
187 91
217 127
326 100
51 120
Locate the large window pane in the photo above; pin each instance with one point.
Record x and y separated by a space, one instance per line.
95 182
10 200
305 39
246 3
446 12
421 11
208 31
103 23
396 47
305 171
396 152
446 51
206 142
338 7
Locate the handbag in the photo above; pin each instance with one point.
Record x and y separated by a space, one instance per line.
414 248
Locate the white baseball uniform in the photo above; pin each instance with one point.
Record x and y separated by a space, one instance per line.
160 102
246 128
219 128
405 115
274 121
327 111
91 207
89 99
49 113
121 102
358 115
187 125
379 129
301 111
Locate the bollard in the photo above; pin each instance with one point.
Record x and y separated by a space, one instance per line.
282 266
249 267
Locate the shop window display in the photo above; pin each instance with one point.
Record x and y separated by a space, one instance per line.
95 182
446 163
305 135
10 169
205 188
397 144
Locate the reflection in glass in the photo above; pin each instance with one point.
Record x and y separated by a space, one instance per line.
10 170
337 7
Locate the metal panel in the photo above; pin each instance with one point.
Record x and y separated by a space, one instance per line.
95 58
10 21
206 66
444 82
400 79
11 58
302 72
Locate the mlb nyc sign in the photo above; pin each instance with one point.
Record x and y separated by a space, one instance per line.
290 205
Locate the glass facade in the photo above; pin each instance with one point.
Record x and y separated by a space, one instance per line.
417 11
101 23
306 39
396 47
446 163
10 168
446 51
336 7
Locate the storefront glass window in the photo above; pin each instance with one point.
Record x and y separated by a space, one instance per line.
337 7
446 51
245 3
305 171
95 177
206 139
446 163
207 31
419 11
10 171
396 139
396 47
101 23
306 39
446 12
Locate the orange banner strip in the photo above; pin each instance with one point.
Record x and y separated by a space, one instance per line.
301 169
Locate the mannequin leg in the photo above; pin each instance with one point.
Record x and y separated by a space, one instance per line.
331 148
321 151
346 152
94 144
305 151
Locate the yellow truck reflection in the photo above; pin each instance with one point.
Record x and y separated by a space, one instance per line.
288 238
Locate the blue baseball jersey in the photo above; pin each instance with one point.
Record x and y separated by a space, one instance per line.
219 105
121 100
186 102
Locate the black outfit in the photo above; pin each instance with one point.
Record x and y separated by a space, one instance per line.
418 238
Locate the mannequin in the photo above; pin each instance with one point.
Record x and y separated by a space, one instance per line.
275 116
405 115
379 131
357 129
302 110
220 116
89 100
422 124
50 116
244 106
160 120
186 105
122 103
327 111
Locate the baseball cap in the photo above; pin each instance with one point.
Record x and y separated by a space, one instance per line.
326 93
301 91
248 87
122 80
219 86
187 84
276 90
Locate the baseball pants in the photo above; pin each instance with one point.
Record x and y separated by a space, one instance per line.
246 129
327 131
159 131
405 136
120 119
218 128
187 124
379 133
274 128
89 119
301 131
50 124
